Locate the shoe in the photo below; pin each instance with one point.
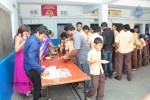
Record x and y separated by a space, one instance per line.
116 77
114 73
129 79
110 76
134 69
43 93
29 94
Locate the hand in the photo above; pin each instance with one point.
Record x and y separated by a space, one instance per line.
45 73
24 37
57 46
43 66
116 51
41 60
104 61
64 57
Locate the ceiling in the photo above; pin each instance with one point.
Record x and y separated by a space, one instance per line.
145 4
61 2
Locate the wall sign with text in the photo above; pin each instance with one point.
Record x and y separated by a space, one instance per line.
49 10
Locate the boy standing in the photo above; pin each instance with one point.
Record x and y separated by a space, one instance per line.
98 77
86 30
134 52
97 33
31 60
124 46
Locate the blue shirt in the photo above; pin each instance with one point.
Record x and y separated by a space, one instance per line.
83 47
31 54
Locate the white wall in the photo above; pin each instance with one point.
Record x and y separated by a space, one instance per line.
75 14
72 10
8 6
127 18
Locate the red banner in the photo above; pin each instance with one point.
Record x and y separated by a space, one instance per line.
49 10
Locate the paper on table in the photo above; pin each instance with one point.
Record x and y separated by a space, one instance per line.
57 73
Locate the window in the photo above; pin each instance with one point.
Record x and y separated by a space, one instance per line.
147 28
6 40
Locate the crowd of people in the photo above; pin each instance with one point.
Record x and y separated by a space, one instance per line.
99 54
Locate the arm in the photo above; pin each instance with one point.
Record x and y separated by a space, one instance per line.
75 51
67 47
52 45
113 38
18 45
91 62
100 61
77 44
89 59
32 55
117 43
104 38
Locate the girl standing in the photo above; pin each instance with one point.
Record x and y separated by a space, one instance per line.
22 83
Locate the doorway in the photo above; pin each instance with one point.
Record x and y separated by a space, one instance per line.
93 24
147 28
34 27
60 29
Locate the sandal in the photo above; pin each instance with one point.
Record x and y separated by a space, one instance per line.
29 94
80 86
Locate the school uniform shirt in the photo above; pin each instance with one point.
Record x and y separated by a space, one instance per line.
139 45
95 68
116 33
124 40
69 45
91 35
88 36
91 40
143 42
62 44
135 40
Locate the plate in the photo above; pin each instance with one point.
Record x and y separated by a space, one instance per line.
54 53
48 58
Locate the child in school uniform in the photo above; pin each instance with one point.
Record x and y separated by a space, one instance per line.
69 47
147 41
141 45
96 69
62 42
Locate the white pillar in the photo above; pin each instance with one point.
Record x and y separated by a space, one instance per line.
103 14
143 28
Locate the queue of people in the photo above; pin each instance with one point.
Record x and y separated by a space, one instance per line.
98 54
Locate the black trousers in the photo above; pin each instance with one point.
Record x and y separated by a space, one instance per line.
35 77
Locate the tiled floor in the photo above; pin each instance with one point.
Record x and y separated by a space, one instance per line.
114 89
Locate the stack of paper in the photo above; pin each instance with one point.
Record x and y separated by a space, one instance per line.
57 73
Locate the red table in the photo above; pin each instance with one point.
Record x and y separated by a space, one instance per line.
77 74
